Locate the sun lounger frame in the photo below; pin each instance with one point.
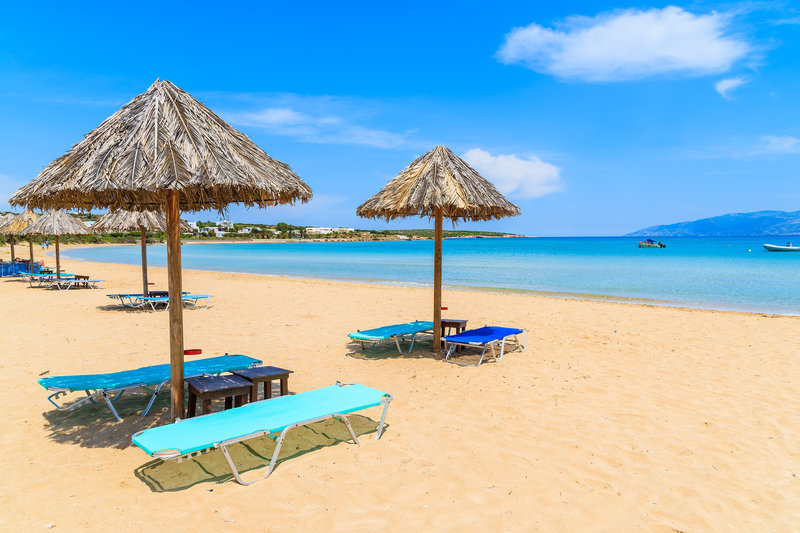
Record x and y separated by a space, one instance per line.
172 454
132 300
190 300
66 284
397 337
113 394
451 346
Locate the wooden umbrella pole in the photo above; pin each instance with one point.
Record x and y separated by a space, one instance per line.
175 304
30 244
144 263
11 241
437 283
58 260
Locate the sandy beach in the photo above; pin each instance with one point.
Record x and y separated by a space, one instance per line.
618 417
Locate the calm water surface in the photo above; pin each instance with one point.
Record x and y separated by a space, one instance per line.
727 273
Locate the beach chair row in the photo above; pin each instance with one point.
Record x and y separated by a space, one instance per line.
271 418
63 282
496 339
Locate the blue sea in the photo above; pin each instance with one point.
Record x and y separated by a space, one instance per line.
725 273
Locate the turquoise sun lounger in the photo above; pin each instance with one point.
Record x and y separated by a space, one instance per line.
393 332
267 418
111 386
485 337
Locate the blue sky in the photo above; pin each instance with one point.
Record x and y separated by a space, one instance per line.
595 118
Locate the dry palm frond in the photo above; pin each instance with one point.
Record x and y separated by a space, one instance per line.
56 223
120 220
438 181
163 140
19 223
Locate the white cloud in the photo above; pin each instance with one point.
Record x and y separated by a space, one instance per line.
784 144
725 86
516 176
627 45
324 120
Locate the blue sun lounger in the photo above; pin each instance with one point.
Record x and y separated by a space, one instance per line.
131 299
191 300
393 332
111 386
485 337
267 418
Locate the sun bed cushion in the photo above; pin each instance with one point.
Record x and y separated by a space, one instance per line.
148 375
274 415
387 332
483 335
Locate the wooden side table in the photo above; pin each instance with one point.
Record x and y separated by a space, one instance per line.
264 374
208 388
458 325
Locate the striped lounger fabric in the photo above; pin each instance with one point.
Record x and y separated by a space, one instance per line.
486 337
393 332
271 418
110 387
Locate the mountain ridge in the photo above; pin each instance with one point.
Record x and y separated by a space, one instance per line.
730 225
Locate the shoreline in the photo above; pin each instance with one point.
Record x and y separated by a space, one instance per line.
608 298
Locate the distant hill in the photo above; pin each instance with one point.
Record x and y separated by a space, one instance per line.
733 224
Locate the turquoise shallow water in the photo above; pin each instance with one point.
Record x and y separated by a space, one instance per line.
726 273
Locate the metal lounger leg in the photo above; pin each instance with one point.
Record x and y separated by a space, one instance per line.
385 403
224 446
111 406
397 342
153 397
413 338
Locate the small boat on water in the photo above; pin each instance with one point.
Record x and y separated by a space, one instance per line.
650 243
779 248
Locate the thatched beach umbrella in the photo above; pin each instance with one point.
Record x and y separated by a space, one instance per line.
438 185
164 150
121 220
5 219
15 226
56 223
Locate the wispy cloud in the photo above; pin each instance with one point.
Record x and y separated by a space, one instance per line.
516 176
725 86
627 45
781 144
326 120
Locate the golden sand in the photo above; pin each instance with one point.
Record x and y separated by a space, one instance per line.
617 417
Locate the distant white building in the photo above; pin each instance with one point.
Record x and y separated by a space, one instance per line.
225 225
344 230
208 230
313 230
192 225
247 229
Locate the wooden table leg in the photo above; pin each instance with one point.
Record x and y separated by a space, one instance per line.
192 404
254 392
284 386
268 389
240 400
228 402
206 405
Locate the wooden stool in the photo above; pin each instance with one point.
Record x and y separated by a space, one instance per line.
264 374
210 387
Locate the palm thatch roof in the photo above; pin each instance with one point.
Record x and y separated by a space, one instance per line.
19 223
163 139
56 222
5 219
439 180
120 220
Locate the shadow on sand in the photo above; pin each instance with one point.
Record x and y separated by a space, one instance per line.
423 349
255 454
93 425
